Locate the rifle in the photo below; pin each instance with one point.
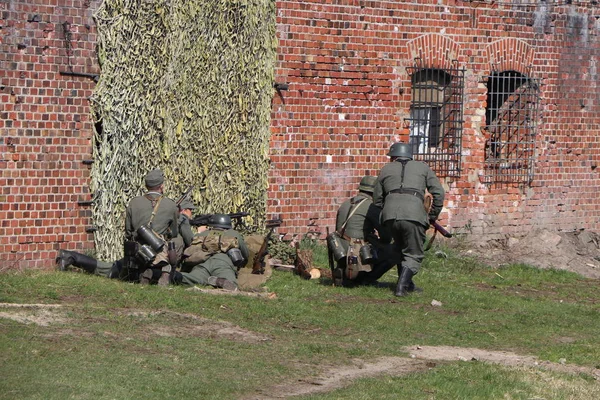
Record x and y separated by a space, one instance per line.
184 195
258 267
437 228
330 256
202 219
441 229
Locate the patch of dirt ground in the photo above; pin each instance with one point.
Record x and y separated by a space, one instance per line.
420 358
577 252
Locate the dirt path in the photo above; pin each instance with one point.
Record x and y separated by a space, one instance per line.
421 358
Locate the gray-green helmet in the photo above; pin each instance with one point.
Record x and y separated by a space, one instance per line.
401 150
222 221
367 184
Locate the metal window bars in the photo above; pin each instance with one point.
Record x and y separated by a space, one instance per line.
436 118
511 115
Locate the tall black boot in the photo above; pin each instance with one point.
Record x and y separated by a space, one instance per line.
115 270
404 280
66 258
177 278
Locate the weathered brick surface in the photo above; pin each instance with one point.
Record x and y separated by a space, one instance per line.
349 95
348 99
45 129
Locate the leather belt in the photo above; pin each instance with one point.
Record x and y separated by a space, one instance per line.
412 192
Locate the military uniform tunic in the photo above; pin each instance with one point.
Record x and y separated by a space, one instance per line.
403 213
140 209
364 220
219 265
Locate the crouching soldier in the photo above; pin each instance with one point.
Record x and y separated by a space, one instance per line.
359 241
214 257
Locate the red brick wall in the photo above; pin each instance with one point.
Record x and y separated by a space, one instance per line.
45 129
349 94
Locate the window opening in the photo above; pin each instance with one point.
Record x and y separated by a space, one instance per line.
512 104
436 118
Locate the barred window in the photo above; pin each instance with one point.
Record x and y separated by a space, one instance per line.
436 114
512 104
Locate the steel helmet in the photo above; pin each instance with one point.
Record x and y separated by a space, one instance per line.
401 150
222 221
367 183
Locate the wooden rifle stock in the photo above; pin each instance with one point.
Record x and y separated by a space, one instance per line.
440 229
258 267
437 228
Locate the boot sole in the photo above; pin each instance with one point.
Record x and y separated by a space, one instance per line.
146 277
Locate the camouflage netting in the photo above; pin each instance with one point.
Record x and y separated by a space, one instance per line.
186 86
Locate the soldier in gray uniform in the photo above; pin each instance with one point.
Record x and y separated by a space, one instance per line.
220 269
118 268
400 191
160 214
357 221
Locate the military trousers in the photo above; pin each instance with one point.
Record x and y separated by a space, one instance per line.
409 239
218 265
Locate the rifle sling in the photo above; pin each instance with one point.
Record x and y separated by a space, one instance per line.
351 212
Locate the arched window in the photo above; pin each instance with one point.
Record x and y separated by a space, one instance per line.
511 112
436 118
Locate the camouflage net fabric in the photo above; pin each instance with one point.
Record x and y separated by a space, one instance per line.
186 86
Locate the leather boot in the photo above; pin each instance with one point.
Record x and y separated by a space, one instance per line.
338 277
222 283
403 282
66 258
177 278
146 276
115 270
165 279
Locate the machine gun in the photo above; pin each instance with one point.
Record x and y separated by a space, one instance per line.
203 219
258 266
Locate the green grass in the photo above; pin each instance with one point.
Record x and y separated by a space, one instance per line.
118 340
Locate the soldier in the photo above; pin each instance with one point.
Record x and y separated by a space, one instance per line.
357 224
162 222
147 217
219 253
186 233
400 191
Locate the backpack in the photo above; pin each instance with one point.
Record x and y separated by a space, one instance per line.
205 246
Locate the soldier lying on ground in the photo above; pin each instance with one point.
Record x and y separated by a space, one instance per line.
214 257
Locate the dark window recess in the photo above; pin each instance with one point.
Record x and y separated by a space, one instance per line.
436 118
511 115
